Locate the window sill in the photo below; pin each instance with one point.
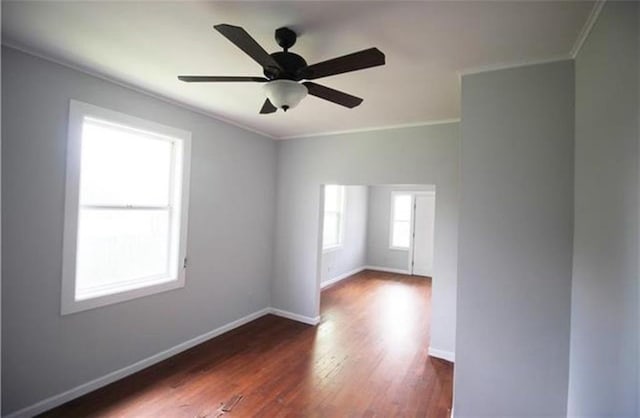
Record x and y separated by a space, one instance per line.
399 248
69 306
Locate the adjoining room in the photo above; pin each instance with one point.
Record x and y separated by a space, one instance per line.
384 227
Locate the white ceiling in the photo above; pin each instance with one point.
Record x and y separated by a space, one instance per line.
146 44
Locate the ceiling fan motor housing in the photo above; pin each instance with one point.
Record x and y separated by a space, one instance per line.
291 65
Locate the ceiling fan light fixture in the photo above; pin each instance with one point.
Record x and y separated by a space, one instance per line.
285 69
285 94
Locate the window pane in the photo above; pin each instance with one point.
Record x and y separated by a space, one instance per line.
400 234
402 207
330 235
121 245
333 198
123 167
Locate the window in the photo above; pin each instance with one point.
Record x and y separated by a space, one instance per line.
126 208
400 236
333 216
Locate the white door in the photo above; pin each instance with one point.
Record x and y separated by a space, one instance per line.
425 209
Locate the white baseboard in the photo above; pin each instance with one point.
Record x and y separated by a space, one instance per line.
341 277
387 269
295 317
92 385
442 354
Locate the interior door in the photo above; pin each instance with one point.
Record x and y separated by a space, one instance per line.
424 216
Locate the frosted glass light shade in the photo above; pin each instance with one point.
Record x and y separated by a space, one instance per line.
285 94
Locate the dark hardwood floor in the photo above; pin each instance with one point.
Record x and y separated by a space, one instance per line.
367 358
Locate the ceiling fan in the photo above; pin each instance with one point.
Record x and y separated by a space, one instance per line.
284 70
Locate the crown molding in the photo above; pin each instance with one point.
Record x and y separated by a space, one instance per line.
588 26
584 34
505 66
372 129
30 51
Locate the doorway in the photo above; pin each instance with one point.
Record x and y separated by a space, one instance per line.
421 253
388 228
411 228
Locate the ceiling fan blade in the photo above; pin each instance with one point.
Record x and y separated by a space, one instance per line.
360 60
267 107
332 95
210 78
240 38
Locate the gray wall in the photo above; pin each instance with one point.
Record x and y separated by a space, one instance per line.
378 252
514 275
420 155
604 317
353 252
229 246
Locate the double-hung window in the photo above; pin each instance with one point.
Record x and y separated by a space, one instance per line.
400 236
333 216
125 209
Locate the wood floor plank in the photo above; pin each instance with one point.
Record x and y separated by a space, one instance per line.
367 358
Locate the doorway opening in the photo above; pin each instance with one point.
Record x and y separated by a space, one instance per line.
382 238
388 228
412 221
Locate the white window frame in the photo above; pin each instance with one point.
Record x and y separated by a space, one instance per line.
392 219
78 111
340 223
